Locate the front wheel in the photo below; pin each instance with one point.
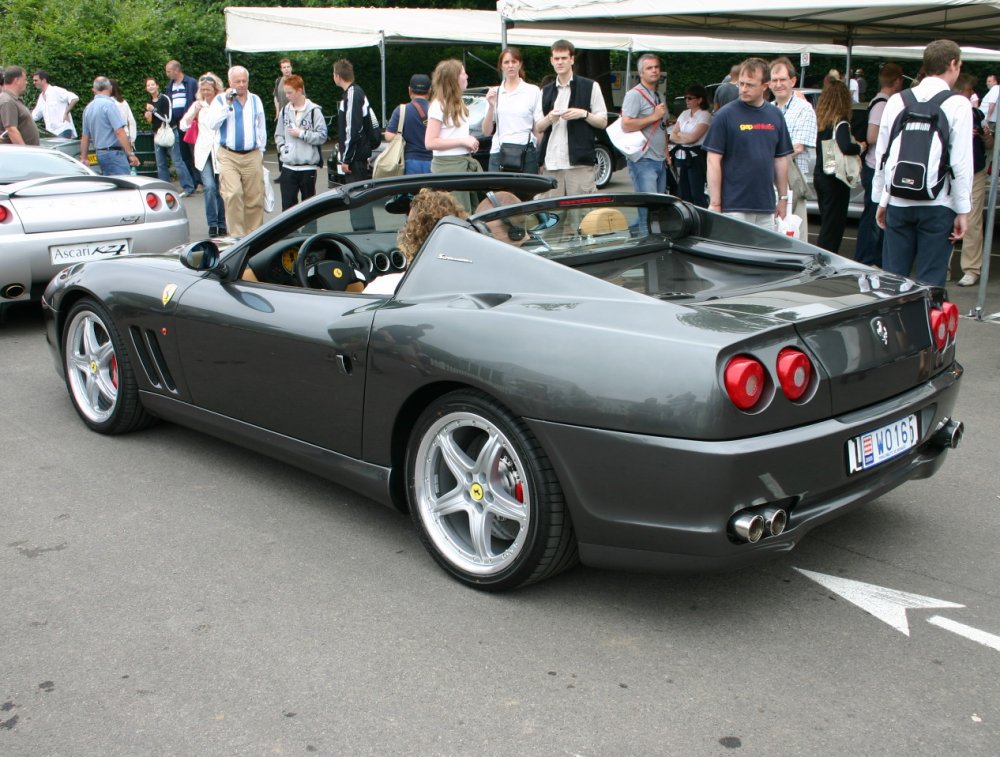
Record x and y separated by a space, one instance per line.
604 167
483 495
99 376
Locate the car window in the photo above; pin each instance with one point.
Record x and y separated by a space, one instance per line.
20 166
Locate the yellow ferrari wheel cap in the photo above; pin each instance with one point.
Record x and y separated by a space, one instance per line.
476 491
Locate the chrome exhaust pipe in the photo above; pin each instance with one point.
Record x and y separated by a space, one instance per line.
775 520
12 291
747 526
949 435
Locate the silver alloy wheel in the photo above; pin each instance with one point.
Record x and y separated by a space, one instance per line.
604 166
471 495
91 367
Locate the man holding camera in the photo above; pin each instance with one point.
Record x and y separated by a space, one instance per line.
238 115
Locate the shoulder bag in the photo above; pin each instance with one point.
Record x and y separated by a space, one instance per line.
847 168
164 136
392 160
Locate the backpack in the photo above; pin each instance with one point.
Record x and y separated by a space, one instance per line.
859 126
916 127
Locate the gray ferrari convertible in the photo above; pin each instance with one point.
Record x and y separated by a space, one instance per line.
623 380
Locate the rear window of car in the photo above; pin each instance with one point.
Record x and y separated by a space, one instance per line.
20 166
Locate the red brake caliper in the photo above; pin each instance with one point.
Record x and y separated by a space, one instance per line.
519 491
114 371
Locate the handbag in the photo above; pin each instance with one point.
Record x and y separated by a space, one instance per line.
847 168
191 135
392 160
512 156
164 136
631 144
797 183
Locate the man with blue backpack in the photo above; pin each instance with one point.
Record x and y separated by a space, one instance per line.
923 180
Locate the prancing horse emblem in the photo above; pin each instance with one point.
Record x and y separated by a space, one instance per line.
881 331
168 292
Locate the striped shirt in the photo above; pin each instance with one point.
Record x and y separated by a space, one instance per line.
240 127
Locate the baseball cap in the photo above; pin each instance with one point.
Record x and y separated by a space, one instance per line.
420 84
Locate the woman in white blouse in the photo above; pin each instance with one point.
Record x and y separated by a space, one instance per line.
205 149
686 138
125 110
512 109
447 135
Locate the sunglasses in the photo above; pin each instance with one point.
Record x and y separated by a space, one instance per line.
206 80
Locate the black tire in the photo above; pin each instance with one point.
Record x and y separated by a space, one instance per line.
503 470
99 376
604 168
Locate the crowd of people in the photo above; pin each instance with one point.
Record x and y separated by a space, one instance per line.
745 152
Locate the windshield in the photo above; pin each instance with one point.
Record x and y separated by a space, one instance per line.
572 227
38 164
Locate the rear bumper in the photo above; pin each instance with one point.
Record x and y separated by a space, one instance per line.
663 504
25 261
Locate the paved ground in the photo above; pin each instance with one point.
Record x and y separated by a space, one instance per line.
167 593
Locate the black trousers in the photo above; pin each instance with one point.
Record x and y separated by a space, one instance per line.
832 196
296 186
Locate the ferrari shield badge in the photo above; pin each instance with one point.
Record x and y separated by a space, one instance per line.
168 293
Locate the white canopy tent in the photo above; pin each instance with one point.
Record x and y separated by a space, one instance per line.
848 22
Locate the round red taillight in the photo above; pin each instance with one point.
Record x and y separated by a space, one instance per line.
744 378
795 372
950 310
939 328
152 201
4 214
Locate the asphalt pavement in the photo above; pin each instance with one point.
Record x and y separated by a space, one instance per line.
168 593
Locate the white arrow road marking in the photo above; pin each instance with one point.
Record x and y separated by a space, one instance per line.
887 605
986 639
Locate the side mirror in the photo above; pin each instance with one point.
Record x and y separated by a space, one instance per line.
200 256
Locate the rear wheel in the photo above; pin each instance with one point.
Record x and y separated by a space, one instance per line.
604 167
99 376
484 497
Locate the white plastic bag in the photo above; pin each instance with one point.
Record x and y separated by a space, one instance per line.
268 192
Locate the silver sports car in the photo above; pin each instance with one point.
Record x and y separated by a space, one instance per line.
55 211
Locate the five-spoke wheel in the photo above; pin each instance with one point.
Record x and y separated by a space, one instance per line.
483 495
98 374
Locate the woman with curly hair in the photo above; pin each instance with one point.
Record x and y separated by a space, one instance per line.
833 121
427 207
447 135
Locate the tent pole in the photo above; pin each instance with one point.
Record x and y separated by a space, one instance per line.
991 202
503 33
627 84
381 53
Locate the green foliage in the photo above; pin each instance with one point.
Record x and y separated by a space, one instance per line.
129 40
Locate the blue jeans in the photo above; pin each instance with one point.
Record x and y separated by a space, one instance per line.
215 210
113 163
648 175
416 166
174 153
916 238
66 134
869 246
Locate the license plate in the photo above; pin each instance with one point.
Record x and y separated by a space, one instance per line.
875 447
64 254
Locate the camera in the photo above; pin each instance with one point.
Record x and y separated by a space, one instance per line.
230 95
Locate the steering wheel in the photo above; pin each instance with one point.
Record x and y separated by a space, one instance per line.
321 269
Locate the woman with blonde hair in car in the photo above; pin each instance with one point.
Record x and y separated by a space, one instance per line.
427 207
447 135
